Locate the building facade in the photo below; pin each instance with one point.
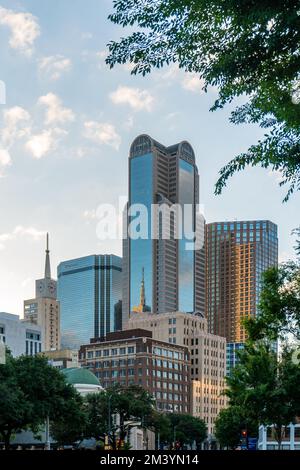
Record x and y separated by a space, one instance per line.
90 295
164 192
21 337
290 438
62 358
44 309
133 357
237 253
207 353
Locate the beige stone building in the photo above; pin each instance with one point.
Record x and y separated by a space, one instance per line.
44 309
207 352
63 358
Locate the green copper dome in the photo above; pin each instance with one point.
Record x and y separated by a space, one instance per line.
77 375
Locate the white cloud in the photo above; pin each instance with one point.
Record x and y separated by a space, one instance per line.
102 133
12 118
24 29
44 142
19 232
55 112
5 160
137 99
192 82
4 157
54 66
40 144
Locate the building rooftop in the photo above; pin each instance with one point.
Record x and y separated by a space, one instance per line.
78 375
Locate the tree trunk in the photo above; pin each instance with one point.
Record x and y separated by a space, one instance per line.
279 436
6 439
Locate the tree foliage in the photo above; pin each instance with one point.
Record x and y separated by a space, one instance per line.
279 306
245 48
31 390
188 429
229 424
132 404
264 388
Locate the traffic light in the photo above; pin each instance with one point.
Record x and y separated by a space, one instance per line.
244 439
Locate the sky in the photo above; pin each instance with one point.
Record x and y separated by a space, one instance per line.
65 133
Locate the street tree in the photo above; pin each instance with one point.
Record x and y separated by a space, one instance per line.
247 49
188 429
30 391
279 305
229 424
264 388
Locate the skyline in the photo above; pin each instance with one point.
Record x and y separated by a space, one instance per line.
53 182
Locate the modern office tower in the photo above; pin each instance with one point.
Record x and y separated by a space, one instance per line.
207 352
163 260
44 309
90 295
21 337
133 357
237 253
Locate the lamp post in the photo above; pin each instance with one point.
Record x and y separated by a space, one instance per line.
109 418
174 435
47 443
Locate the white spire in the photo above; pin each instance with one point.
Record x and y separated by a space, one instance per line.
47 264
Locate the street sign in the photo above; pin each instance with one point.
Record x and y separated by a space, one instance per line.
252 443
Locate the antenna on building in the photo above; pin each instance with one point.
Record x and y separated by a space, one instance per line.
47 263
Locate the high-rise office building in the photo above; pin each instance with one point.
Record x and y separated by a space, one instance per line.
90 295
162 269
44 309
237 253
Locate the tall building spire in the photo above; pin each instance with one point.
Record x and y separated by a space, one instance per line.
47 263
142 292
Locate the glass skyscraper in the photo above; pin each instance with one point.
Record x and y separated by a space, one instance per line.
237 253
90 295
160 273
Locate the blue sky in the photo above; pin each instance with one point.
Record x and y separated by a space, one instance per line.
65 133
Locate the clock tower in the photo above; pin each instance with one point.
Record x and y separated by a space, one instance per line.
46 287
44 309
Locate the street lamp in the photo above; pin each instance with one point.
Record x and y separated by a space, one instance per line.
175 426
109 418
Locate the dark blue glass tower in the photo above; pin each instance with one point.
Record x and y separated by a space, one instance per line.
90 294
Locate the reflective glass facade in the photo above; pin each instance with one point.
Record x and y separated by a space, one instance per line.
141 250
161 274
237 254
185 255
90 295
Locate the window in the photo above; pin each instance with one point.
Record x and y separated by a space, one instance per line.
131 350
